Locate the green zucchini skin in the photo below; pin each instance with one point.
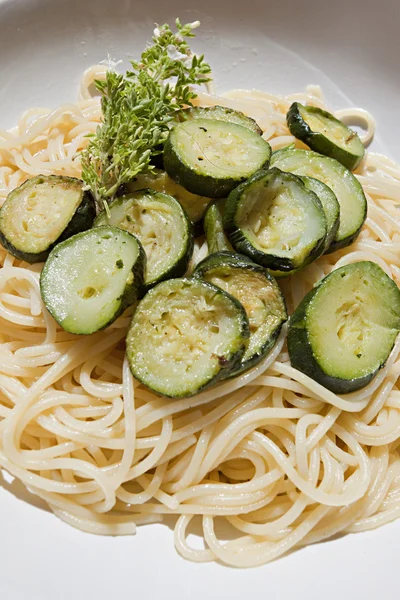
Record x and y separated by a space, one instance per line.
157 158
128 213
81 219
349 154
91 278
193 204
206 346
214 228
346 187
240 204
330 207
304 333
186 156
259 294
220 113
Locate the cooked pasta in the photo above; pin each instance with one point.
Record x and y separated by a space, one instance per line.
265 462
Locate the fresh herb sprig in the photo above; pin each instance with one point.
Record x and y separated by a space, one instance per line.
137 108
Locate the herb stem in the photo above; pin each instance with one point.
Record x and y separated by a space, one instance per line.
138 108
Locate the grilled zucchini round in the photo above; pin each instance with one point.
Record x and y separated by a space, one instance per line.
42 212
347 189
214 227
185 335
275 220
161 225
257 291
323 133
220 113
210 157
194 205
342 332
89 280
330 206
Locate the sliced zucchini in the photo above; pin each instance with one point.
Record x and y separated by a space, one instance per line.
210 157
42 212
185 334
330 207
220 113
323 133
161 225
89 280
160 181
276 220
214 228
342 333
257 291
347 189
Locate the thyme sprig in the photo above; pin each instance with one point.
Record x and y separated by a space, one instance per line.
137 109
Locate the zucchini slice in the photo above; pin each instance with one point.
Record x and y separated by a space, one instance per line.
161 225
160 181
210 157
42 212
276 220
347 189
185 335
342 332
257 291
220 113
214 228
323 133
89 280
330 207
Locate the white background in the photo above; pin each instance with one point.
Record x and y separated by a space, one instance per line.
275 45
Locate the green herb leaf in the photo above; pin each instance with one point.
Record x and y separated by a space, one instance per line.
138 108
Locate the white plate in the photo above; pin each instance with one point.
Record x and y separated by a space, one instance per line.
349 47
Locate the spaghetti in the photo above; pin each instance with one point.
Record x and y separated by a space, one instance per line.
266 462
